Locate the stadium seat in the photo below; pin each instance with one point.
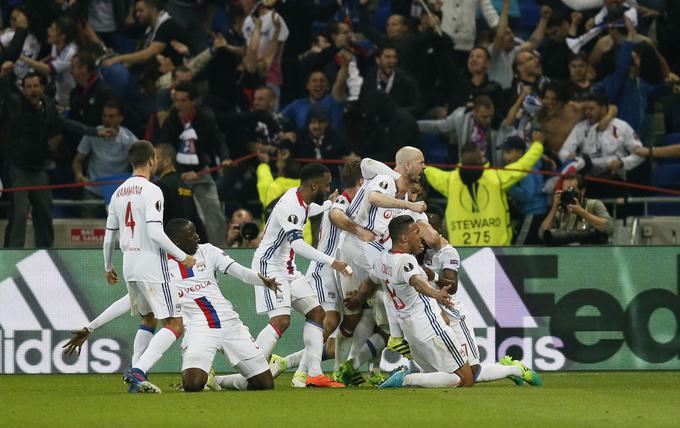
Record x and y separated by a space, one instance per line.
435 148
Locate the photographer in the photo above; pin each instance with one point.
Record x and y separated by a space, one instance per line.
573 212
243 232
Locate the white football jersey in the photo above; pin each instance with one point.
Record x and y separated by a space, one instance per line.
437 261
202 301
371 216
275 256
418 315
329 234
136 203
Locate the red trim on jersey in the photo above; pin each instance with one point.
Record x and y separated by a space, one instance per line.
300 200
289 264
346 195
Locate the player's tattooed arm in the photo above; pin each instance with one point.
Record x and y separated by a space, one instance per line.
419 282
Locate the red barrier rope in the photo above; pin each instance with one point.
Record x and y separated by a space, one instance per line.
342 162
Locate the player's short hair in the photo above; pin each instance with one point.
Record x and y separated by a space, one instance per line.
351 174
435 210
140 152
176 227
399 225
312 171
167 151
482 101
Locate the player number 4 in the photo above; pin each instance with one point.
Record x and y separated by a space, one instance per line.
129 220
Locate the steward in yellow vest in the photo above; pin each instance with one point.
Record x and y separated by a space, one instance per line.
477 210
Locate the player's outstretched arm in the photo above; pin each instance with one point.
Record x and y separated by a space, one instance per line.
431 237
385 201
343 222
370 168
158 236
307 251
249 276
419 282
117 309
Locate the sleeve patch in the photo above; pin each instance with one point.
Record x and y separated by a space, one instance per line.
159 206
383 185
408 267
293 219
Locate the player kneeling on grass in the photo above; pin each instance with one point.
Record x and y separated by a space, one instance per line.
210 321
433 344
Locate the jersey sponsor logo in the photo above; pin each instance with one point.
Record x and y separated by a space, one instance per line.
408 267
181 290
28 306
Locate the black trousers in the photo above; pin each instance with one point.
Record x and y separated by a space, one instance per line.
21 202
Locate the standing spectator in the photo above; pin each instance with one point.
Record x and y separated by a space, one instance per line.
477 209
162 35
527 195
400 86
317 90
192 130
607 154
470 125
28 120
177 194
506 46
554 51
61 35
104 157
459 20
475 83
91 93
107 20
579 83
30 47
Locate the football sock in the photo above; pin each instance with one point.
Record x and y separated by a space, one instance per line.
363 331
312 335
491 372
432 380
233 381
267 339
377 359
117 308
142 338
342 347
160 343
372 347
293 360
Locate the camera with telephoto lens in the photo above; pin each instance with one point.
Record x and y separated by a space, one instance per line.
568 197
249 231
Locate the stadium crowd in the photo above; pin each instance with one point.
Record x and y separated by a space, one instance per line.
258 87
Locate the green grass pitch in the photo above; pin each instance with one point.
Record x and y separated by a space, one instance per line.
576 399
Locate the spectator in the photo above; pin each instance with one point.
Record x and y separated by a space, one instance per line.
61 35
163 36
505 47
104 156
554 51
527 195
579 214
192 130
528 73
237 237
28 120
607 154
459 20
475 83
317 90
164 94
477 209
107 20
397 83
579 83
178 196
30 47
91 93
383 127
470 125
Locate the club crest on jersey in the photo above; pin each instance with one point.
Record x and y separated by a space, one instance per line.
158 206
200 267
383 185
408 267
292 219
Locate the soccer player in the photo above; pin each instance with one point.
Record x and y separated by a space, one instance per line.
323 278
211 323
433 345
444 264
275 257
136 214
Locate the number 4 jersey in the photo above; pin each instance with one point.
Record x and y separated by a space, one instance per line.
136 203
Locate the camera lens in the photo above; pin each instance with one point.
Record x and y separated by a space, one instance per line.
249 231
